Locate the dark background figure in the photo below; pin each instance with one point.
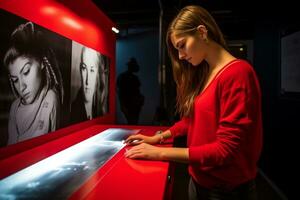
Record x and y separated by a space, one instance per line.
131 99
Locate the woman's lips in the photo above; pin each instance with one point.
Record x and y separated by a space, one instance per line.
26 96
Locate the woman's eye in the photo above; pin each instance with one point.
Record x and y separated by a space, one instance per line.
14 80
181 46
26 71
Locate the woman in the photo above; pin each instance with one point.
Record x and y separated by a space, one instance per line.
36 83
218 97
90 101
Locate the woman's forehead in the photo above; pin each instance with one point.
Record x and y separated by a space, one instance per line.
19 63
176 38
90 57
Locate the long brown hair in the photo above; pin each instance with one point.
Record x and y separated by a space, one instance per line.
190 80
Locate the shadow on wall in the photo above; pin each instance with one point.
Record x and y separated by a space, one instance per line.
130 97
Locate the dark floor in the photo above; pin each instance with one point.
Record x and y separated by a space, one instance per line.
266 190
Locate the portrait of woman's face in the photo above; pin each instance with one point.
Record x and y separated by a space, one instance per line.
89 67
26 77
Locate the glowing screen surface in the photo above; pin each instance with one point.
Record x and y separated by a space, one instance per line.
59 175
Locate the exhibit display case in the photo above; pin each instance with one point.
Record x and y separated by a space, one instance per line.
88 164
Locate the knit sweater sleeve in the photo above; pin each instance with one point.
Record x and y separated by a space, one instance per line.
238 93
180 128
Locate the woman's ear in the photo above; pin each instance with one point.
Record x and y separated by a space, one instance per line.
203 31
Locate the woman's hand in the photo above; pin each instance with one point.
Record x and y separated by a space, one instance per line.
139 138
144 151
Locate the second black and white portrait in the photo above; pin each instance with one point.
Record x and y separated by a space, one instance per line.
89 84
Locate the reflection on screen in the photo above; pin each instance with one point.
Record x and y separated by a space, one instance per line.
59 175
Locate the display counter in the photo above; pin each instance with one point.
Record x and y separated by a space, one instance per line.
87 164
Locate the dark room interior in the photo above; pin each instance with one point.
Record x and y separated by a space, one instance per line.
81 40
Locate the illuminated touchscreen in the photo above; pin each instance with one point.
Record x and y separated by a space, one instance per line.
59 175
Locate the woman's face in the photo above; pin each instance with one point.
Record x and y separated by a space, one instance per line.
190 48
26 76
89 73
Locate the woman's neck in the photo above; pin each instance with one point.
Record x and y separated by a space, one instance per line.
88 109
217 57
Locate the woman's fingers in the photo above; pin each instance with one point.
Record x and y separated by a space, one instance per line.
136 142
131 138
135 152
136 155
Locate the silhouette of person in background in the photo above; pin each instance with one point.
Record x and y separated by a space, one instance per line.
131 99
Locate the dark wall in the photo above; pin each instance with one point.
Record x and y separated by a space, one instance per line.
280 113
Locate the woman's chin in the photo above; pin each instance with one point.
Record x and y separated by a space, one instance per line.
193 64
26 101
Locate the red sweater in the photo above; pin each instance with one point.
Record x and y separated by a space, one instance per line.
225 132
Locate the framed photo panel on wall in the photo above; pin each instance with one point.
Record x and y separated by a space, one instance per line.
47 81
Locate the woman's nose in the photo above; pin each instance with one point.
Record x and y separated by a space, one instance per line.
23 84
87 78
181 55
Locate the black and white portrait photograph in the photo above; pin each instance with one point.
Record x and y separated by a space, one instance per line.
89 83
34 75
